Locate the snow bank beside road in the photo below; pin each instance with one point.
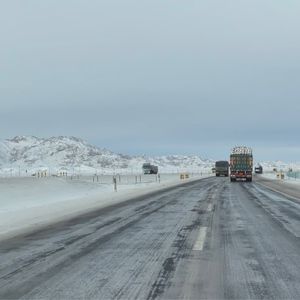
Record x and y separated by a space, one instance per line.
29 203
273 175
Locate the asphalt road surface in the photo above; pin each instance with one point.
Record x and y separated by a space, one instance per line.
209 239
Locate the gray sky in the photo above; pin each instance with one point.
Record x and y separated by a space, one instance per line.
154 77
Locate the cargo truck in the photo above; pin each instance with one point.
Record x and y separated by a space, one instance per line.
241 164
149 169
222 168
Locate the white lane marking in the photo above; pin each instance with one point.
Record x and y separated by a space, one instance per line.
200 239
210 207
279 192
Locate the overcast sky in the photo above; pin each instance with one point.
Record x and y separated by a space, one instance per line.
154 77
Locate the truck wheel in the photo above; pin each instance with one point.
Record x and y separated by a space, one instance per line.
232 179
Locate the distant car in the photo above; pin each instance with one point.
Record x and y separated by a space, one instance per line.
149 169
258 170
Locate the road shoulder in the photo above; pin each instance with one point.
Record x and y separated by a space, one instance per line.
283 188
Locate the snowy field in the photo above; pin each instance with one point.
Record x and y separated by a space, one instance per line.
289 179
29 202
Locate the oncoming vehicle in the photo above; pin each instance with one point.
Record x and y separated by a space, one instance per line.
222 168
149 169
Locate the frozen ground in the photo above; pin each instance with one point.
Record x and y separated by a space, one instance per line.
29 202
273 175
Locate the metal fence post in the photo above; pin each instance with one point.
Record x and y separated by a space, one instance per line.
115 183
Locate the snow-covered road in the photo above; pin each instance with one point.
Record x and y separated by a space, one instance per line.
28 203
208 239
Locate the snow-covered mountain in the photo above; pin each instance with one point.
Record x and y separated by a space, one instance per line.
30 154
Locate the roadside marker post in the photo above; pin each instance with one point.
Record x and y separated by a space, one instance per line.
115 183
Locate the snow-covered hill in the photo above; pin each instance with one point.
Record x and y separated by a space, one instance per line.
28 154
